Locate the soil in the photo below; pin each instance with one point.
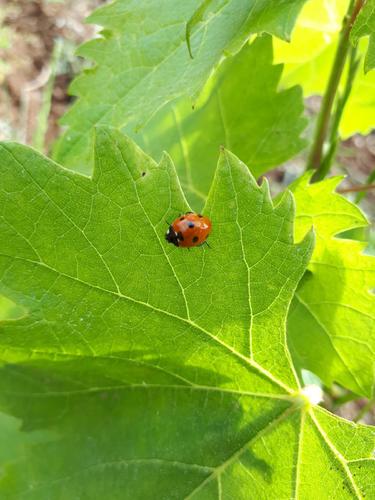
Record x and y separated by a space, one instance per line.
27 40
31 29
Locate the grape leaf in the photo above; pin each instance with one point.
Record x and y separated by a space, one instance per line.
142 60
365 26
332 322
308 61
243 111
9 310
146 371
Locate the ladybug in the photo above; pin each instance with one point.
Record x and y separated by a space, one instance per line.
189 230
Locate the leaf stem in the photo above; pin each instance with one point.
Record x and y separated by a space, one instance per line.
315 157
39 139
369 182
357 189
193 21
333 139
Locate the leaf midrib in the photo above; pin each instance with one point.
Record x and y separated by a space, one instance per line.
338 456
253 364
145 386
162 247
115 463
217 471
240 229
81 136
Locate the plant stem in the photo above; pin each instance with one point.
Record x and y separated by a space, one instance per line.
334 137
356 189
369 182
39 139
315 157
365 409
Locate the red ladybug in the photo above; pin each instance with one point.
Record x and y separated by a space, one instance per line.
189 230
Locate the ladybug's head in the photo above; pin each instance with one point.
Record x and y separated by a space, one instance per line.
171 236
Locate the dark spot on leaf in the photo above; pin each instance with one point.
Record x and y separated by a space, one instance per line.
195 239
143 174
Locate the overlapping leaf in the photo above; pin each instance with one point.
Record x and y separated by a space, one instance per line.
332 322
146 371
308 60
142 60
365 26
243 111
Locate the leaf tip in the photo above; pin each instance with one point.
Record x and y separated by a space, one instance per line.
285 202
265 188
308 241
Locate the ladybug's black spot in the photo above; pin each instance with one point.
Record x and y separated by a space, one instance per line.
191 224
179 236
200 215
195 239
182 218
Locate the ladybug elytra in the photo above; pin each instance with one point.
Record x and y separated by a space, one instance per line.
189 230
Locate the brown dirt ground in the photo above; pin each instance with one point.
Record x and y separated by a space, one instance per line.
32 28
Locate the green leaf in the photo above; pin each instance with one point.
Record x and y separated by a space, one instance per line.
332 322
149 371
365 26
241 109
9 310
142 60
195 19
308 61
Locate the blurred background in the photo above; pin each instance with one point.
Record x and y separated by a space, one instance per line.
37 62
